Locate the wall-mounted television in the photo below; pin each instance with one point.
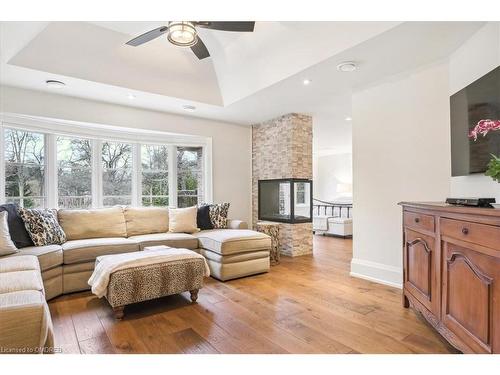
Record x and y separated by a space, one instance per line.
475 125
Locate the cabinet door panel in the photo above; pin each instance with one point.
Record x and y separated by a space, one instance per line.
420 275
471 299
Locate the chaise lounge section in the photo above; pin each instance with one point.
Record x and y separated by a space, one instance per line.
234 253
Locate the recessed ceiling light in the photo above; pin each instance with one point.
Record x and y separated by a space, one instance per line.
347 66
131 96
306 82
54 84
189 108
348 118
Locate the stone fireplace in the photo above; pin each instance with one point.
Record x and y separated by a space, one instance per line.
282 149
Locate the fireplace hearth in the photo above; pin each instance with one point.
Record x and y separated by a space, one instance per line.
287 200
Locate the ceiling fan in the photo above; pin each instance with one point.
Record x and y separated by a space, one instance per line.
184 34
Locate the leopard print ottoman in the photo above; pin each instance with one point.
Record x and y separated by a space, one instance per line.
143 283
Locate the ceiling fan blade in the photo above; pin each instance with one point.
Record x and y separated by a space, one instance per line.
200 50
146 37
241 26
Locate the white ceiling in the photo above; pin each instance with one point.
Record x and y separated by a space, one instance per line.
249 78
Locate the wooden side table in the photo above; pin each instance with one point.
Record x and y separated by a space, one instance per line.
273 231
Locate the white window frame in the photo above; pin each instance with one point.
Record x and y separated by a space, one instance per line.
97 133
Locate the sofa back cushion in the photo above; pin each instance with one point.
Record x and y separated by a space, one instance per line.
82 224
146 220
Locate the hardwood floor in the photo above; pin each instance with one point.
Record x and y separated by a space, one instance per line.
307 304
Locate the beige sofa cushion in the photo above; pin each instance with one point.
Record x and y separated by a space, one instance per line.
25 323
79 251
19 263
146 220
183 220
233 241
242 257
99 223
228 271
21 280
179 240
49 256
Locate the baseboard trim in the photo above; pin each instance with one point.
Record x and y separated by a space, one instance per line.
377 272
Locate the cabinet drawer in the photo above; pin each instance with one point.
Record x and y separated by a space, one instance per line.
418 221
482 234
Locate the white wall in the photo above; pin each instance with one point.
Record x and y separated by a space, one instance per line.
231 144
401 152
328 171
476 57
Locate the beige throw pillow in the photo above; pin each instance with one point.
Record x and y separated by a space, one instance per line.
6 245
182 220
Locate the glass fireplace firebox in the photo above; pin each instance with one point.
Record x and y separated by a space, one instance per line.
287 200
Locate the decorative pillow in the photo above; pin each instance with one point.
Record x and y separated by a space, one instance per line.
218 215
182 220
203 217
17 230
6 245
42 226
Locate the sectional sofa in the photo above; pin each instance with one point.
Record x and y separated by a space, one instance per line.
40 273
231 253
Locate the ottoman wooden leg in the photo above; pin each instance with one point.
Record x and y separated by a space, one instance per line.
119 313
194 294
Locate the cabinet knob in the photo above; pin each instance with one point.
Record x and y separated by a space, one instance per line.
417 220
465 230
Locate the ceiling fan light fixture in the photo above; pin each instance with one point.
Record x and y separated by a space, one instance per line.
182 34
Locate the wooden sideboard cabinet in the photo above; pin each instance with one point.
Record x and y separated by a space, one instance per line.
451 272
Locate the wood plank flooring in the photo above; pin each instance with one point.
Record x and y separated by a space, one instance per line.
307 304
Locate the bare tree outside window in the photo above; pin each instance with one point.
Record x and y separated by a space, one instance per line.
117 173
189 176
25 168
154 162
74 172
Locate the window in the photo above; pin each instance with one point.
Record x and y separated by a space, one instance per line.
71 165
74 172
116 173
189 176
24 168
154 162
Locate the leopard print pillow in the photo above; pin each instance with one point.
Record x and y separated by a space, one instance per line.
218 215
42 226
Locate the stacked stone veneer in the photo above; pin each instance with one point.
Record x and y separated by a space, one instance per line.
282 148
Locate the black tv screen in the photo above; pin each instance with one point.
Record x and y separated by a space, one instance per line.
475 125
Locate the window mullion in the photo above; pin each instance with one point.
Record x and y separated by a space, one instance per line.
51 185
96 174
136 175
207 172
172 176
